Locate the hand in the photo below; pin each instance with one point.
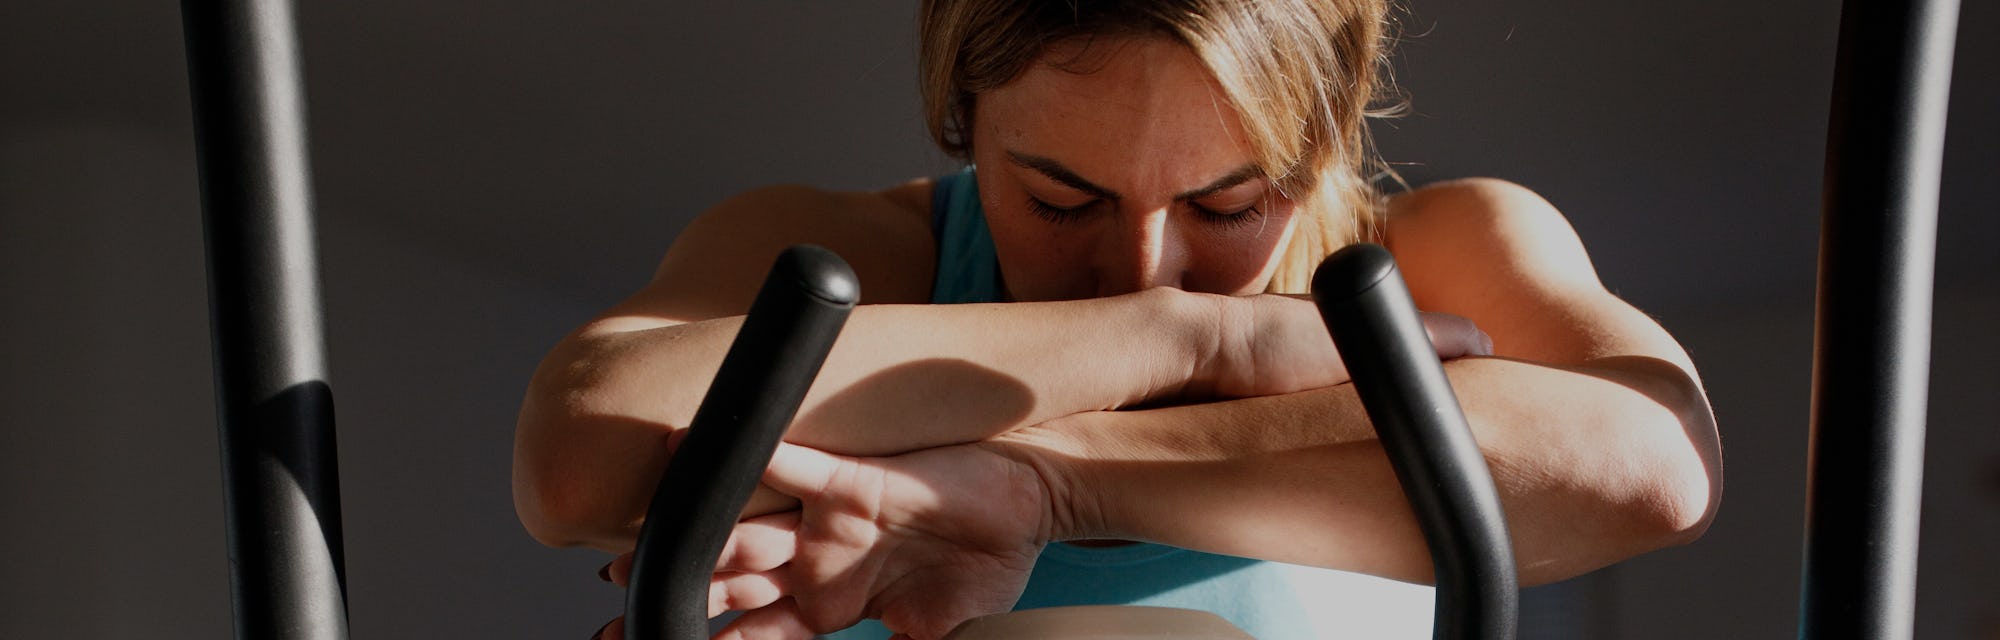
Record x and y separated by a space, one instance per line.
1275 344
923 541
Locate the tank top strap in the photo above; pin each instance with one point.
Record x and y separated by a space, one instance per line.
968 269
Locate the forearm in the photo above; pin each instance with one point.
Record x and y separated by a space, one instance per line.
1594 464
901 377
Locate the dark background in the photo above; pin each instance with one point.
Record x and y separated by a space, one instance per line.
489 174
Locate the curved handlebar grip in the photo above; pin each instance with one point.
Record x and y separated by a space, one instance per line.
1402 385
757 391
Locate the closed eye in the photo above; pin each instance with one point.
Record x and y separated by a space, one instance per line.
1058 215
1227 220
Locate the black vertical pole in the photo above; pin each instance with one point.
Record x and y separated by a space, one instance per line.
275 407
1872 340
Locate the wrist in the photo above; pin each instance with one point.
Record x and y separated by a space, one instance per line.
1072 511
1198 327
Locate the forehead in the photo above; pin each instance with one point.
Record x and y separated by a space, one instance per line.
1142 108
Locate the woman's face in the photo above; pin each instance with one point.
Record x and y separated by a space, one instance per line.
1127 171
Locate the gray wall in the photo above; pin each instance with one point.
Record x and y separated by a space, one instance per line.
490 174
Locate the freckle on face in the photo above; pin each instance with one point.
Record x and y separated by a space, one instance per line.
1147 122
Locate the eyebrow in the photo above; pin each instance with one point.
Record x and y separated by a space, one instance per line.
1061 174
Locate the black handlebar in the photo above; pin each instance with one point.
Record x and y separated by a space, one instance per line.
776 355
1401 383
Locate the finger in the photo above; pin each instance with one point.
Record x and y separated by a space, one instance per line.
620 570
766 500
614 630
760 544
1456 336
744 591
779 621
799 471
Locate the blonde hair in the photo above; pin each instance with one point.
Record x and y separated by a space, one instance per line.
1301 74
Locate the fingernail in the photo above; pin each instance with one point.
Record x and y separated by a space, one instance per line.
600 631
604 573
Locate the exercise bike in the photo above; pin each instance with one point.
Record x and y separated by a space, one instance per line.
793 324
1878 234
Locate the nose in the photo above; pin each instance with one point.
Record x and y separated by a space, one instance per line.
1147 251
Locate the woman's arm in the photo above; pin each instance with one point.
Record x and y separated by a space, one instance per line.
1598 433
594 425
1594 464
1596 428
593 428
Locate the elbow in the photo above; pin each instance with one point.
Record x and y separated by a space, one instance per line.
555 507
1648 474
1683 504
552 513
585 480
560 516
580 467
1678 476
556 501
1667 458
1651 499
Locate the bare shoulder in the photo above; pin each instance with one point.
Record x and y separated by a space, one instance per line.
1487 223
715 266
1502 255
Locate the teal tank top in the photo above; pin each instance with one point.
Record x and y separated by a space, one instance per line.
1266 599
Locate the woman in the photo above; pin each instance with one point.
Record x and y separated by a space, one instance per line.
1151 179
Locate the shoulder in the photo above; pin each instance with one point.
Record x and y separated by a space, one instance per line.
1500 254
782 209
1488 222
715 266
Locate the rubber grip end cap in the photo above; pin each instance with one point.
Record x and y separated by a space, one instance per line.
1352 271
821 273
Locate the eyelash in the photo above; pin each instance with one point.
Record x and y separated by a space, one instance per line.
1056 214
1226 221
